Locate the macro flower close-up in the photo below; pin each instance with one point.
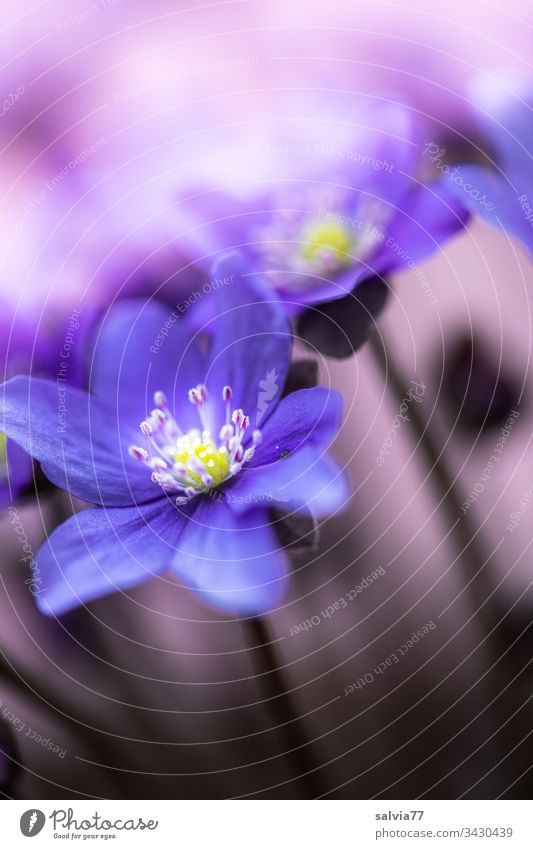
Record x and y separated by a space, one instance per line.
265 420
344 213
219 449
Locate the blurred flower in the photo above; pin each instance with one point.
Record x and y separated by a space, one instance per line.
503 194
197 498
320 232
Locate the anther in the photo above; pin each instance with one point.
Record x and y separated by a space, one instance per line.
157 417
237 417
226 432
138 453
146 428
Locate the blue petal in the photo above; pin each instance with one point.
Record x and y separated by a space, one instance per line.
212 221
100 551
319 290
500 207
304 479
430 216
143 347
232 564
309 416
83 448
252 341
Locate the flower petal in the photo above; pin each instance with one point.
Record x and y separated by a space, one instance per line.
339 328
430 216
500 207
143 347
76 438
211 221
309 416
100 551
305 479
251 341
232 563
318 290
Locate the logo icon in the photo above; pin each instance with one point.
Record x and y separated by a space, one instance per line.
268 387
32 822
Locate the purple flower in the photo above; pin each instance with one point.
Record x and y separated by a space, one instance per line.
349 212
187 485
503 194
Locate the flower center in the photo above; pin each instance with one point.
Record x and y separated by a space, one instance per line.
318 235
327 243
194 462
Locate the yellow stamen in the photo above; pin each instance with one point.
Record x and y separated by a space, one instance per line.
215 460
328 236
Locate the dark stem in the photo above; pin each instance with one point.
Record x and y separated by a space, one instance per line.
504 645
9 789
474 559
289 724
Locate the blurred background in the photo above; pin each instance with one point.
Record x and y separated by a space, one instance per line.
111 109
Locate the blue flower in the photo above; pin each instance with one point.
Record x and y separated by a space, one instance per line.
346 215
183 450
503 194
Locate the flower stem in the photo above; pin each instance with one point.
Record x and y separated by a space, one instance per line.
9 788
506 679
474 559
296 745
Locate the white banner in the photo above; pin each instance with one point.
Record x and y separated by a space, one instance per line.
264 824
